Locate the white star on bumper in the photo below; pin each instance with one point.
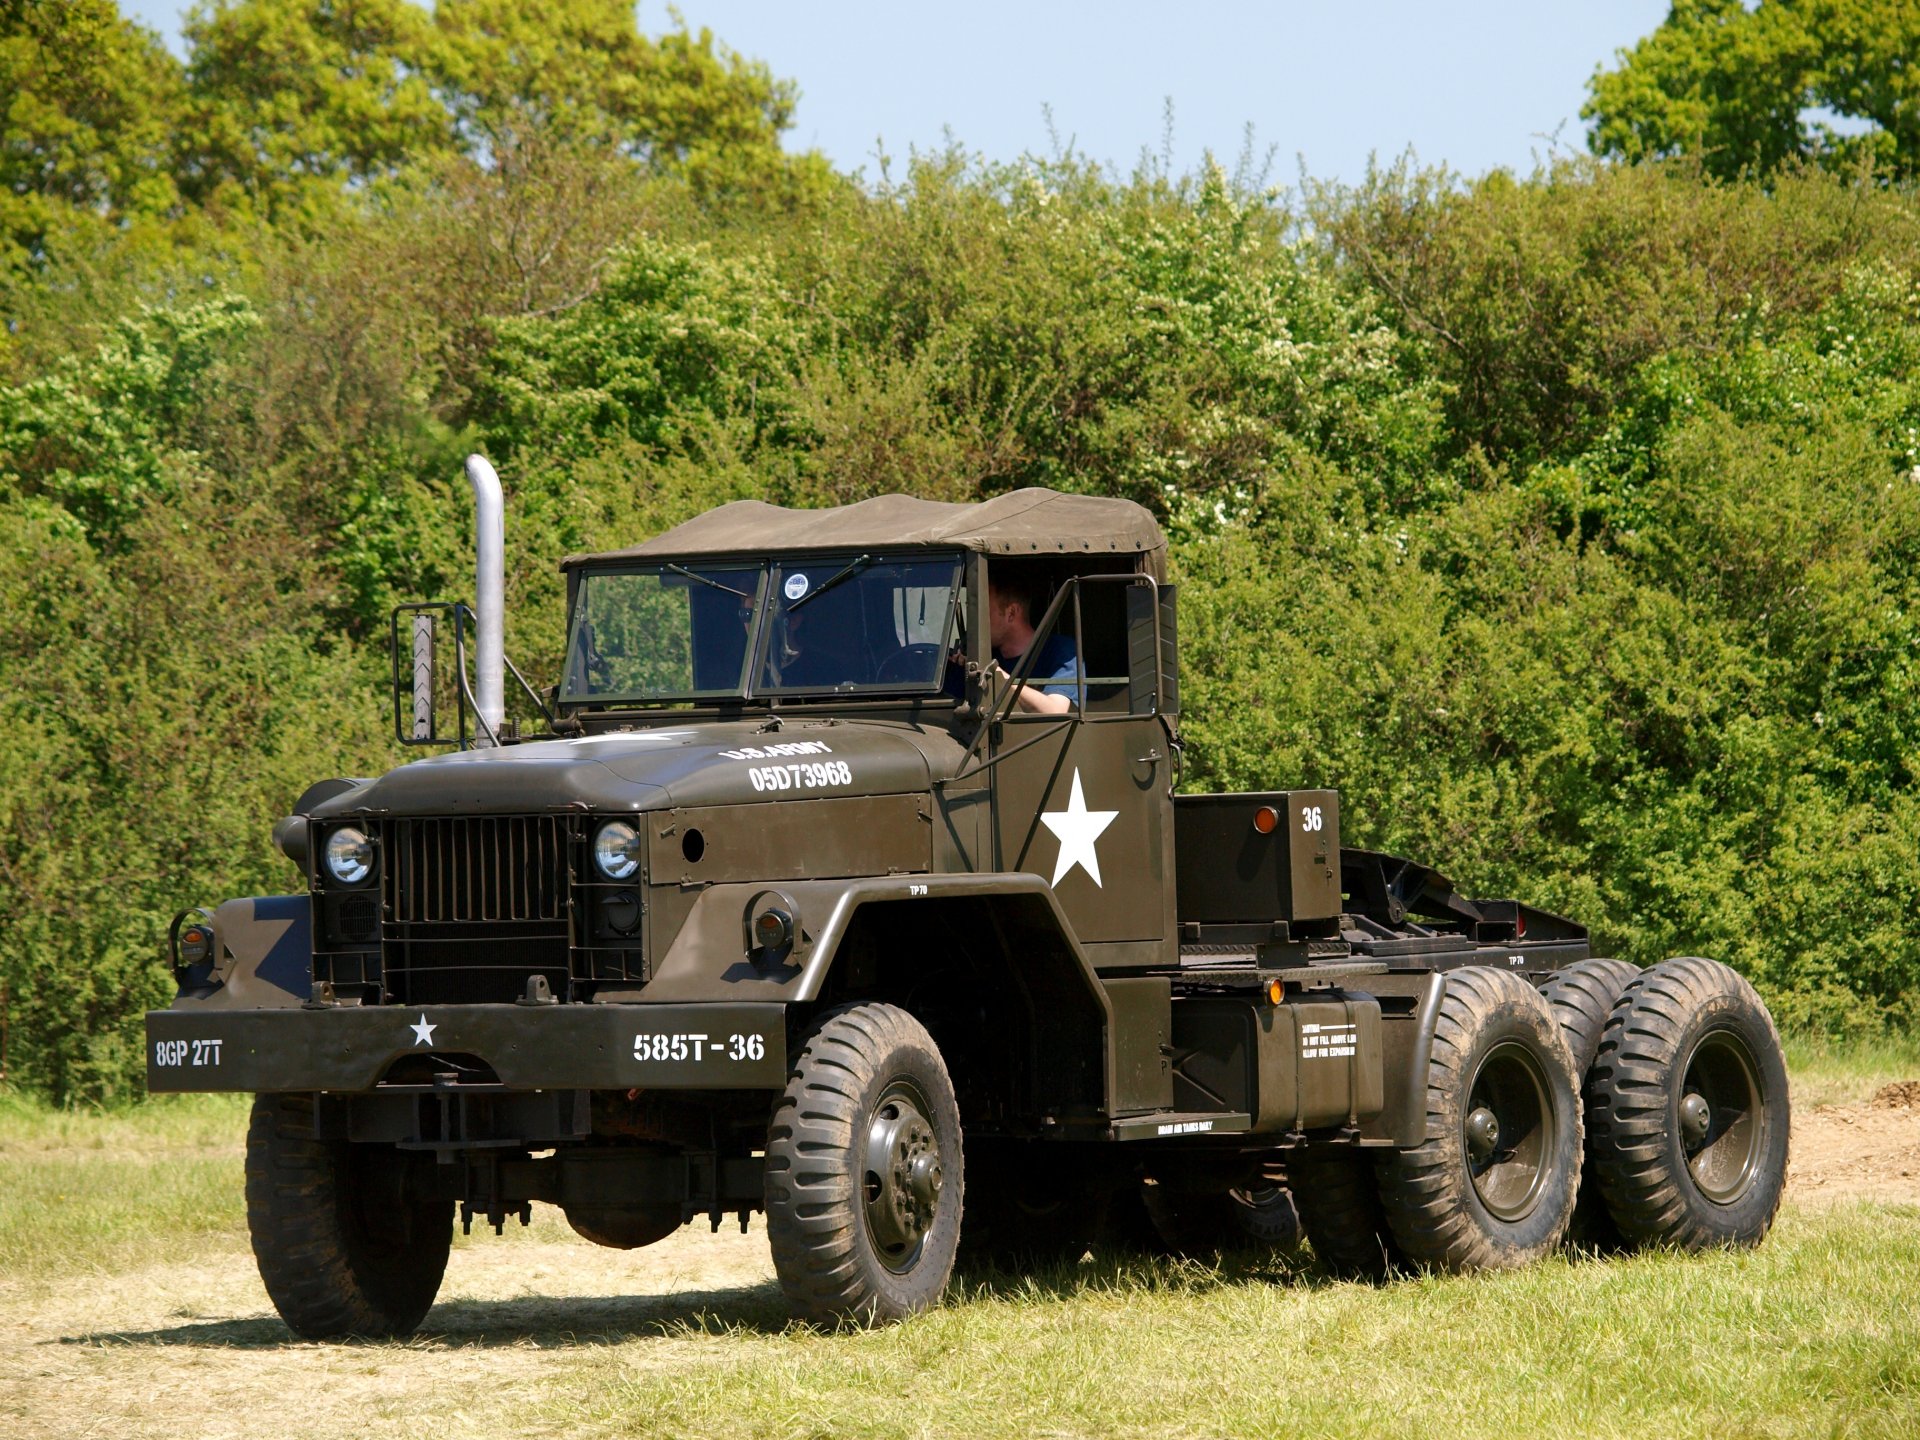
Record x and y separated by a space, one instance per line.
1077 828
423 1032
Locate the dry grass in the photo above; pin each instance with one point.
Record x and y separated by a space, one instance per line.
129 1307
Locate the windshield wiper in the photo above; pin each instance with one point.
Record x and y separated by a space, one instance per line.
829 583
709 580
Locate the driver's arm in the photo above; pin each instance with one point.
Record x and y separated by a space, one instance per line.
1035 701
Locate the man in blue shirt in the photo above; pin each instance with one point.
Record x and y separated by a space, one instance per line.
1010 606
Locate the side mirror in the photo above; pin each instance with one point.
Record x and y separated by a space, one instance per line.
422 652
427 672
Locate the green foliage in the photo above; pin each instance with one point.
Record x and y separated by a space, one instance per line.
673 338
1748 88
287 94
86 105
99 437
1539 303
291 98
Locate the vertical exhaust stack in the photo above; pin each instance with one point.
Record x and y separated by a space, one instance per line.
490 687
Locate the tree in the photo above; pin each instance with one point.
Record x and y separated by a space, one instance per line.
87 102
581 71
290 92
1750 89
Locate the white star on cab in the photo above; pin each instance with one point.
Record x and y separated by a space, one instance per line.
1076 828
423 1032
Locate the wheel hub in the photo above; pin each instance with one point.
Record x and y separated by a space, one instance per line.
1722 1117
1509 1132
1696 1118
903 1177
1483 1134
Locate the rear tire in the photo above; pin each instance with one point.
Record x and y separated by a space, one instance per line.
1690 1109
1259 1216
1582 996
1339 1203
863 1170
338 1250
1028 1208
1492 1186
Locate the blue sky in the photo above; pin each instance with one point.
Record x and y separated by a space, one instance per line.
1473 83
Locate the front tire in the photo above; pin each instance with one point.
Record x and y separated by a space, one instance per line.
1688 1100
1492 1186
340 1249
864 1172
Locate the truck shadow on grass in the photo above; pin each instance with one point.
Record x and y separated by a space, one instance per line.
1110 1270
562 1321
541 1321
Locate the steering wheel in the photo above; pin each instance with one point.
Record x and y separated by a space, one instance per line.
907 663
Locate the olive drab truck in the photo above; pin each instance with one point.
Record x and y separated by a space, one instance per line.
786 903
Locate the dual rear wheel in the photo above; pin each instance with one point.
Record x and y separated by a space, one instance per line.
1615 1109
1492 1184
1687 1109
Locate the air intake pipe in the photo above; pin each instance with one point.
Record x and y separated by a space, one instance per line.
490 686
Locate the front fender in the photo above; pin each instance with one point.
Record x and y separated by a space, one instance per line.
264 956
709 960
1023 956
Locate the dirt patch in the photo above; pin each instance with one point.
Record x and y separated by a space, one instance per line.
1900 1095
194 1348
1867 1151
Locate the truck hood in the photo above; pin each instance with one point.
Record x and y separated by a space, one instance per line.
709 763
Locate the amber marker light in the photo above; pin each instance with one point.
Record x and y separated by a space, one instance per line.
1266 819
1275 992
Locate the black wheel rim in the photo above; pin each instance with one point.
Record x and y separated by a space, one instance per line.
901 1175
1720 1116
1508 1131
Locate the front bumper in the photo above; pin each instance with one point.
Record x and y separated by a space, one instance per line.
351 1049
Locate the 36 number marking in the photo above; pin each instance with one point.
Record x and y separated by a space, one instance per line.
746 1047
1310 819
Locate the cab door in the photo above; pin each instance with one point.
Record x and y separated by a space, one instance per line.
1084 800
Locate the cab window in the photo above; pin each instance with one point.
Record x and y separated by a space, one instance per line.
852 623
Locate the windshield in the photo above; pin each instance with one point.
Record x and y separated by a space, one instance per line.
700 631
853 622
670 632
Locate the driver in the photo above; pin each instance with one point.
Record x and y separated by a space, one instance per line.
1010 606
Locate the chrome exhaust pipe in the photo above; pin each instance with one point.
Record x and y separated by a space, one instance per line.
490 684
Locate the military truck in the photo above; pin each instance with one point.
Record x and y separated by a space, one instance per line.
798 903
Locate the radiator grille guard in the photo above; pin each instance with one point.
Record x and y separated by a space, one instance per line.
472 907
467 870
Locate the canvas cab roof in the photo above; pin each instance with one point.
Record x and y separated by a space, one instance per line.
1035 523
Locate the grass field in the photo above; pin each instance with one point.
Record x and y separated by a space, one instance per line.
130 1307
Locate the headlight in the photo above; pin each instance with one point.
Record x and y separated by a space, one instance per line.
616 850
349 855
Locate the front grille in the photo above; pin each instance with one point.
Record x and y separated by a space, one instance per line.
474 906
465 869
